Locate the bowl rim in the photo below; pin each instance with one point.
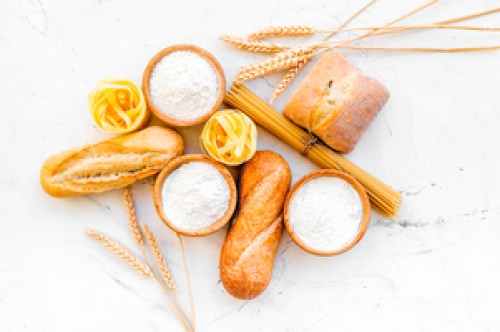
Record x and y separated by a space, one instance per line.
363 226
172 166
147 76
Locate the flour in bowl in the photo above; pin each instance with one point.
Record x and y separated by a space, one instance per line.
326 213
184 85
195 196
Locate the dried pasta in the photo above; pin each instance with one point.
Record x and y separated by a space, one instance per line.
229 137
386 199
118 106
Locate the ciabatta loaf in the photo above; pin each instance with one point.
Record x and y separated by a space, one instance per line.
247 256
111 164
336 102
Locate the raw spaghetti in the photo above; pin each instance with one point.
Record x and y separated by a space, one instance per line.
386 199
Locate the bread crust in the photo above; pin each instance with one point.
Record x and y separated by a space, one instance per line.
350 109
247 255
111 164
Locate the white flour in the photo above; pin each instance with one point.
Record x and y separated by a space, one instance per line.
184 85
195 195
325 213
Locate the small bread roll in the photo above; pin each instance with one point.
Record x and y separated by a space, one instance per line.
111 164
336 102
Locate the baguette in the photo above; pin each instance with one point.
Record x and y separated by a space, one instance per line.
111 164
247 256
336 102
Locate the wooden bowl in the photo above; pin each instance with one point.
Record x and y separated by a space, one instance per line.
364 219
147 76
172 166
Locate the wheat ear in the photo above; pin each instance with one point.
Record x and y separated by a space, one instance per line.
121 251
283 60
282 31
253 46
287 78
132 218
160 260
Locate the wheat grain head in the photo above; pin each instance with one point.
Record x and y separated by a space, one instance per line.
160 260
121 251
282 31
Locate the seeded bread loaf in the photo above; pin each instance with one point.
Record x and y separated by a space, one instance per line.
247 256
336 102
111 164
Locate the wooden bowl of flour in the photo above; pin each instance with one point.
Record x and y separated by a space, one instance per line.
183 85
327 212
194 195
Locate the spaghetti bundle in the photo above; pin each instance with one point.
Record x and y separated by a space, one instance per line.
386 199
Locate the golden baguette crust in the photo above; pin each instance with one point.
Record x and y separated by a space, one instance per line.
247 255
111 164
336 102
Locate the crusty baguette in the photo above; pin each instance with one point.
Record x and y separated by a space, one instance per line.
111 164
247 256
336 102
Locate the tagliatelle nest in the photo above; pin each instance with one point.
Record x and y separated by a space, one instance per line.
229 137
118 106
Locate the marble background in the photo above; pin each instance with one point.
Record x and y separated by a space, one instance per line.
437 142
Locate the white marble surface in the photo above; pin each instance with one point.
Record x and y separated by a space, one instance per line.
436 141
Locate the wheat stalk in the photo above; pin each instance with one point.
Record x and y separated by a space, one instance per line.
283 60
121 251
158 256
352 17
188 279
424 26
282 31
132 218
399 19
287 78
295 58
424 49
253 46
443 22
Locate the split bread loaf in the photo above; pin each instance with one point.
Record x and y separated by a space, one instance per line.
247 256
111 164
336 102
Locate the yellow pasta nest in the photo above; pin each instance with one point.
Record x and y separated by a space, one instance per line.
230 137
118 106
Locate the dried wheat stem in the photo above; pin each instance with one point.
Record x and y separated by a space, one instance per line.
379 31
373 31
282 31
287 78
413 12
423 49
132 218
447 21
188 280
283 60
174 304
121 251
253 46
426 26
352 17
468 16
158 256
